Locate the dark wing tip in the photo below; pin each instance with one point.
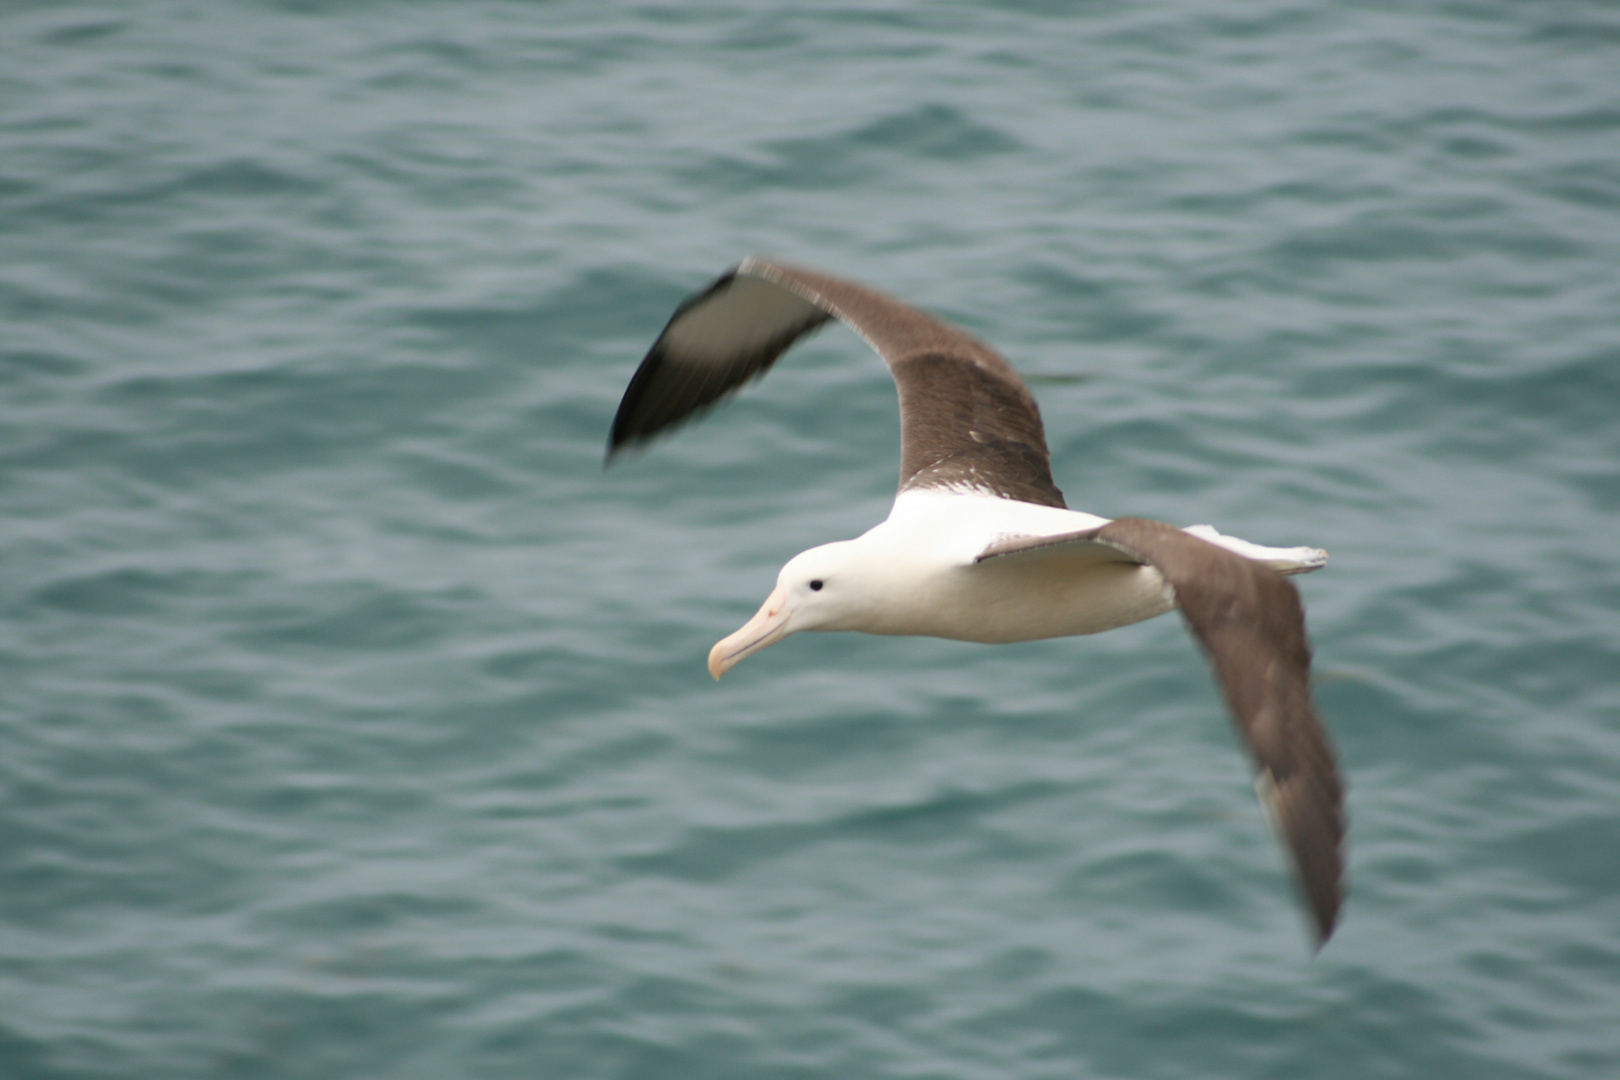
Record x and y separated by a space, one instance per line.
1307 811
631 425
717 340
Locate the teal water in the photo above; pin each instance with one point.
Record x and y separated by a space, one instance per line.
354 722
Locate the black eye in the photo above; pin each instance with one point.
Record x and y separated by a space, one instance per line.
815 586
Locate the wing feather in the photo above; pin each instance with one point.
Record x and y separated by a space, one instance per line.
967 420
1249 621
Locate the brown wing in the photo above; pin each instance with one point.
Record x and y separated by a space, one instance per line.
966 418
1249 620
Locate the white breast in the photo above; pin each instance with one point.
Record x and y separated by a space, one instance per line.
927 582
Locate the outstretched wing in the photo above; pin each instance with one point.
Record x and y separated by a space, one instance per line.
966 418
1250 622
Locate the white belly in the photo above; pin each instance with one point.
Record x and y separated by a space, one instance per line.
996 602
929 583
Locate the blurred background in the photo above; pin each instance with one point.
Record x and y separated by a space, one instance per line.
354 722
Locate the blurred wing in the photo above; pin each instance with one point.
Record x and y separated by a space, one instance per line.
1249 620
716 341
967 421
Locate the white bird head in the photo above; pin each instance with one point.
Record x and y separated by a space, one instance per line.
824 588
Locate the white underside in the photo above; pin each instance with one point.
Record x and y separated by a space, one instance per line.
924 579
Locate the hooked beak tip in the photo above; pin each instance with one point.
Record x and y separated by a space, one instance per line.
768 626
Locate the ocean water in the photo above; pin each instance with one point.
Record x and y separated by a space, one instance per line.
354 722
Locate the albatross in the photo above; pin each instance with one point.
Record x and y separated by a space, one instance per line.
980 545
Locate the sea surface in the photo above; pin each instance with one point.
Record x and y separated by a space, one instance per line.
354 720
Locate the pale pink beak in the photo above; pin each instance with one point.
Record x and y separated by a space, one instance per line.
768 626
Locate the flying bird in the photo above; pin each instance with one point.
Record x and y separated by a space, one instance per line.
980 545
